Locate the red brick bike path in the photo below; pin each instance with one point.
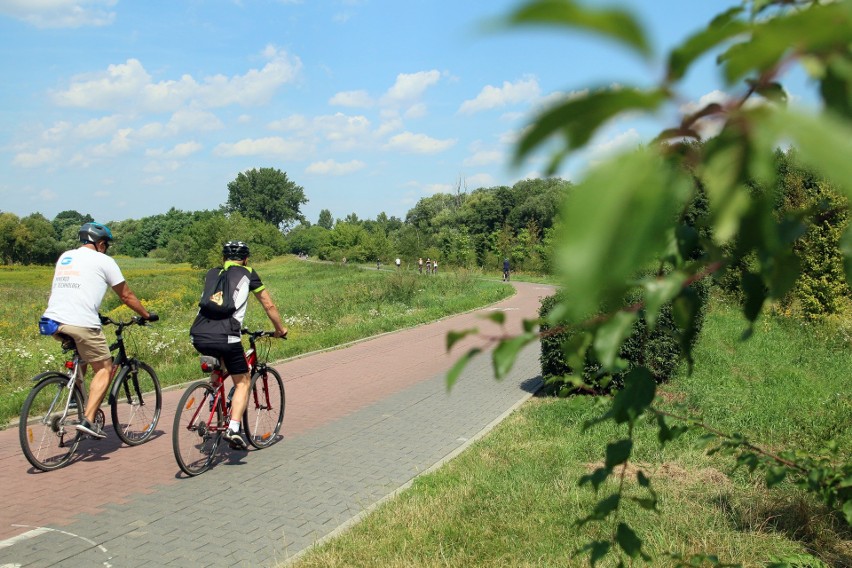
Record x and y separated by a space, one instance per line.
320 388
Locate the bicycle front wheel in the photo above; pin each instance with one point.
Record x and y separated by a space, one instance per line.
47 423
265 408
136 403
193 440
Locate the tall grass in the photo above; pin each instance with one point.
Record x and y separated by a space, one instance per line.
323 305
512 499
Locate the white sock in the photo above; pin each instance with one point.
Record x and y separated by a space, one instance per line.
234 426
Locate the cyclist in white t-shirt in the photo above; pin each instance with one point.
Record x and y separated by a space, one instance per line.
80 281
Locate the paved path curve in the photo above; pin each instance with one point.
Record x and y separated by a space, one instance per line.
361 422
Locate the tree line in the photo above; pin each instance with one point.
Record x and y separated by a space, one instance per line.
463 229
263 208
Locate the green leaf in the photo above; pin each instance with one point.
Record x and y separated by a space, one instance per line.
846 249
815 29
668 433
724 174
775 475
628 541
722 28
618 452
615 24
755 295
658 291
772 91
610 335
822 142
835 86
454 336
578 118
458 366
530 325
615 222
636 396
847 511
506 352
496 316
575 350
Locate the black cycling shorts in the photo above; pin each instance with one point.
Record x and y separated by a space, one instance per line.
232 354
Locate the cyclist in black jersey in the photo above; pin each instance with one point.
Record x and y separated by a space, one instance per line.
220 337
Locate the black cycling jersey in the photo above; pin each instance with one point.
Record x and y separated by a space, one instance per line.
241 280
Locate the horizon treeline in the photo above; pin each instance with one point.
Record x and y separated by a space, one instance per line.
464 229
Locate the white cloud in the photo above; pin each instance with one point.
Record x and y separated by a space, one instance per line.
37 158
271 146
391 124
417 110
410 86
706 127
621 141
433 188
181 150
344 132
58 131
98 127
483 158
129 86
480 180
418 143
292 122
357 99
119 144
193 120
330 167
60 13
525 90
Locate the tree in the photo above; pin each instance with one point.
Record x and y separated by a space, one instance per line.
630 213
326 221
268 195
35 241
8 223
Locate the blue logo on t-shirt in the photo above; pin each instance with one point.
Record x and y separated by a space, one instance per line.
66 260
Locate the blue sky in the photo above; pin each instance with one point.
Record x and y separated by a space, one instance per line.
124 108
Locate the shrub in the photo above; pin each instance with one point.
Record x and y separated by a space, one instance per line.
658 350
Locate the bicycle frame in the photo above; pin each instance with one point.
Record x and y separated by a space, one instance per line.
121 362
217 380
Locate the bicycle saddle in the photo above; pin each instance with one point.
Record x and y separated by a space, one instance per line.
210 364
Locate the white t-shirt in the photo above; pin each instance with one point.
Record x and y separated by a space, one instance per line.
79 283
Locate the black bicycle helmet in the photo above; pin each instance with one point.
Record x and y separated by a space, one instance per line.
94 232
235 250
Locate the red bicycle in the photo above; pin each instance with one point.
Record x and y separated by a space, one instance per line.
204 410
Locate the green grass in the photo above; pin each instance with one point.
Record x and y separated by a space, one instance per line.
324 305
512 498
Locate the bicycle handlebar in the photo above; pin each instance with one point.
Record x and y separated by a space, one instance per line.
259 333
135 320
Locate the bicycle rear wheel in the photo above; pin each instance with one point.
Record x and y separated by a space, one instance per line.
136 403
265 408
47 434
193 441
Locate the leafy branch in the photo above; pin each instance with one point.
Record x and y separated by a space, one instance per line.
627 214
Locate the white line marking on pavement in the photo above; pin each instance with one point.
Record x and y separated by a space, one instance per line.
21 537
41 530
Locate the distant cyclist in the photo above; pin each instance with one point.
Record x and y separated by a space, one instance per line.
505 269
220 336
80 281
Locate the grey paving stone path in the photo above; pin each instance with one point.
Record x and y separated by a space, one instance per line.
361 423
